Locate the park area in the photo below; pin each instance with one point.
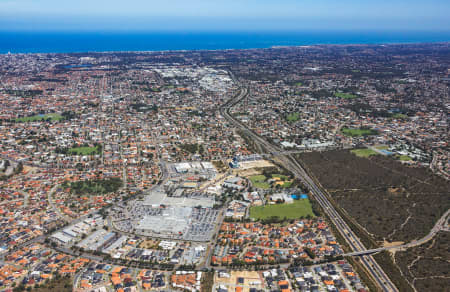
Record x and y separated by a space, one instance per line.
259 181
404 158
51 117
353 132
298 209
282 180
293 117
364 152
94 187
345 95
85 150
400 116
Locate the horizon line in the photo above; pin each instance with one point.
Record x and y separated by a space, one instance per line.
219 30
232 49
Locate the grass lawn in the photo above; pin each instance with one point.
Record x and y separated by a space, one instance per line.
52 117
400 116
358 132
298 84
345 95
85 150
287 184
259 181
364 152
300 208
293 117
382 147
404 158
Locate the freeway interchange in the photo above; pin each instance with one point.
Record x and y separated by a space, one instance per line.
292 165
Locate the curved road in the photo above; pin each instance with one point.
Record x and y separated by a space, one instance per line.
441 225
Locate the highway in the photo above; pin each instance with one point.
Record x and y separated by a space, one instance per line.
292 165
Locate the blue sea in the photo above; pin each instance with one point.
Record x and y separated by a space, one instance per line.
66 42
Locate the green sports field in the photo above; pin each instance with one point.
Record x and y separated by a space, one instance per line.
298 209
400 116
259 181
85 150
364 152
292 117
358 132
345 95
404 158
52 117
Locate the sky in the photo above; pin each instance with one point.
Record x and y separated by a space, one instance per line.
227 15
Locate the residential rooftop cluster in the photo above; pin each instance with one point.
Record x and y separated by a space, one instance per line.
314 103
124 172
245 244
34 265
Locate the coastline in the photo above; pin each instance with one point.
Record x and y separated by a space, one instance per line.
23 42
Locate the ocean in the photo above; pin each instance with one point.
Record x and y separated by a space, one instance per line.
66 42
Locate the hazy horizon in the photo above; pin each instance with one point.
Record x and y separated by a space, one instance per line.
67 42
100 25
232 15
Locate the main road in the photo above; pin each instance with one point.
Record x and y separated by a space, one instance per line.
292 165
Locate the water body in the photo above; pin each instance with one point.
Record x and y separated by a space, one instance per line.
66 42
